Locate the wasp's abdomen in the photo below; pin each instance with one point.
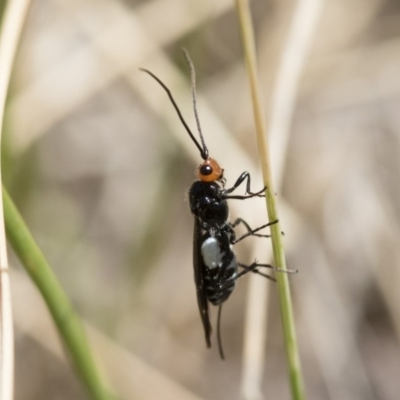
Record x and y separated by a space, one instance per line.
221 270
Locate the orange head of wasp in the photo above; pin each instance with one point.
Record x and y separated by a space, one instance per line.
209 170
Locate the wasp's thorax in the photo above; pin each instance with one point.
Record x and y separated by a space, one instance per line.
206 196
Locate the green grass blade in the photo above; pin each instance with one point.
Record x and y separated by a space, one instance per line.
68 324
295 373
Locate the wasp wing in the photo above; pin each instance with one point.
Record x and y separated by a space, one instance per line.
199 278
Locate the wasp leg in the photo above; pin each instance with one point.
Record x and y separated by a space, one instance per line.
253 268
240 180
286 271
246 269
251 232
220 348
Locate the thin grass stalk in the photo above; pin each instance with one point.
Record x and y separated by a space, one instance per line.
11 26
67 322
248 41
29 253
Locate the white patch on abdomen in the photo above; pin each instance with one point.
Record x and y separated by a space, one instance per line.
211 252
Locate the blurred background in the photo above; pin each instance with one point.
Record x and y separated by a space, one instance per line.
99 165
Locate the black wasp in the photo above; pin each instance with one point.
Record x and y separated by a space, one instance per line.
216 268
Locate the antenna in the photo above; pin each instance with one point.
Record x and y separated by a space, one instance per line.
193 85
203 151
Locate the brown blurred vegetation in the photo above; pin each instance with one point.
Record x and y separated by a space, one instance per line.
99 166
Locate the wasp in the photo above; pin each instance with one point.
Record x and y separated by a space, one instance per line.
216 268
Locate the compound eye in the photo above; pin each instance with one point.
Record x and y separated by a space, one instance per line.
205 170
209 171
